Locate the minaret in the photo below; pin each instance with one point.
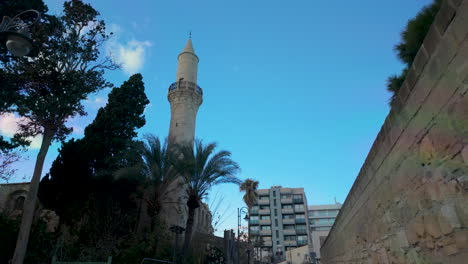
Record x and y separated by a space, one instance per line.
185 97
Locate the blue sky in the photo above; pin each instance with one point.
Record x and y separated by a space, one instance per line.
294 89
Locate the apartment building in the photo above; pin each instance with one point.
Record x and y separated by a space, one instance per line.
321 220
279 220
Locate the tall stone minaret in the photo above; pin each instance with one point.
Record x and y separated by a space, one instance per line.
185 97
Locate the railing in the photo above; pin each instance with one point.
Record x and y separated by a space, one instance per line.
54 261
149 260
301 231
300 220
298 200
187 86
254 221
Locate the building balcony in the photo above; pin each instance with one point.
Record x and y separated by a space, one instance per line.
265 232
298 200
254 232
268 243
264 202
253 212
299 210
289 232
287 211
264 211
289 221
286 200
300 221
265 222
253 221
185 85
301 231
289 243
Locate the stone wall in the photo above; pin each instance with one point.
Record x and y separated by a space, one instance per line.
409 203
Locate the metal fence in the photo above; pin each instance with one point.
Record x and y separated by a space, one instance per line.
153 261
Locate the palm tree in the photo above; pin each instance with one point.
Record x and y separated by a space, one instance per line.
157 168
201 168
249 186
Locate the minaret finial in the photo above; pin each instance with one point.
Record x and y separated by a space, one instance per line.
190 34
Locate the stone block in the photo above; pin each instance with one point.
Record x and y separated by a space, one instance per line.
458 26
432 40
461 239
431 226
444 17
455 3
433 190
448 219
450 249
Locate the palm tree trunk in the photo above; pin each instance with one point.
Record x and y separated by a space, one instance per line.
31 200
188 229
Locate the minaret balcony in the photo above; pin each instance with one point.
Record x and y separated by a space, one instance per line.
186 85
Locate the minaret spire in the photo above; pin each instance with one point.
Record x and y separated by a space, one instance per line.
185 97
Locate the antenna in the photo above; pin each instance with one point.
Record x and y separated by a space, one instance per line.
335 200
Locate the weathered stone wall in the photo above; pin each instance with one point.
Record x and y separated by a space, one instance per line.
409 203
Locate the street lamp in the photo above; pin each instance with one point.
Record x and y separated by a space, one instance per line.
241 210
177 230
14 32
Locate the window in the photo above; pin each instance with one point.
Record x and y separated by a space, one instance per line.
297 198
288 227
19 203
277 242
276 222
263 207
274 202
287 206
321 228
300 219
301 229
322 221
277 233
254 220
289 238
265 217
286 196
264 198
254 228
276 212
299 207
300 216
266 228
288 216
274 193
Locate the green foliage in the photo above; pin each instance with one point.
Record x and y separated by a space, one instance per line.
201 168
214 255
41 245
85 167
412 38
249 186
48 88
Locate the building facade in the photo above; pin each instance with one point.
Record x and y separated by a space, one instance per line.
279 221
321 220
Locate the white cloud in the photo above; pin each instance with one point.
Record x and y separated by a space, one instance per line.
132 55
9 126
96 102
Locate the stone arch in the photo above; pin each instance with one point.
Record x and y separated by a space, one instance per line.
15 200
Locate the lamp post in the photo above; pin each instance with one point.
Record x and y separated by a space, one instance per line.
177 230
240 211
15 35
